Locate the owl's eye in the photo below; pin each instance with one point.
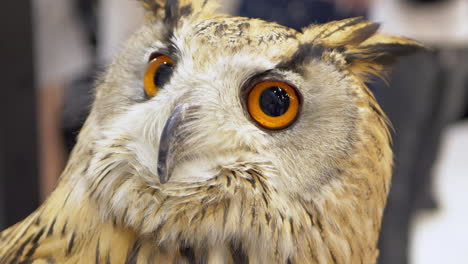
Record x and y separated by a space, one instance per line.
157 74
273 104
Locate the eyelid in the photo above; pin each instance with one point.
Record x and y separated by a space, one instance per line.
259 77
154 55
268 75
160 52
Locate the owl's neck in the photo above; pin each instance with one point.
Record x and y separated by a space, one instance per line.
72 231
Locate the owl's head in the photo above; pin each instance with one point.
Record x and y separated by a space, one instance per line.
201 107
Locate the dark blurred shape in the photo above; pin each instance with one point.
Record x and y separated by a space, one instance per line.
77 105
18 138
427 93
465 115
2 183
294 13
426 1
79 93
87 11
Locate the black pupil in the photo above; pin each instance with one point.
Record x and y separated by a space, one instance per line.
163 74
274 101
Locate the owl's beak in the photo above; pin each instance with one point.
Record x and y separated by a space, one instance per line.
169 142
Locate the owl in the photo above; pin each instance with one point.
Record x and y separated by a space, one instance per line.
221 139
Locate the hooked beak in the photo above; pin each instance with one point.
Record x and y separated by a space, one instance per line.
170 140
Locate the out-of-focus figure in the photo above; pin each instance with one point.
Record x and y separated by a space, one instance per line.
72 37
427 92
60 54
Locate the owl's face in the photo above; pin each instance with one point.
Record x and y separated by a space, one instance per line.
196 96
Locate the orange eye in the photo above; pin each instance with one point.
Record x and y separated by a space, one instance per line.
273 104
157 74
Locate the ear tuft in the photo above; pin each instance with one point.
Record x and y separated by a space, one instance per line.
351 31
365 51
378 53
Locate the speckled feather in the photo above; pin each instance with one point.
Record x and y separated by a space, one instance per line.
313 193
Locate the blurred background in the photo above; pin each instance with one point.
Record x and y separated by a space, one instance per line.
52 50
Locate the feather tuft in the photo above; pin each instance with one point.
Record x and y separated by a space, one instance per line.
366 52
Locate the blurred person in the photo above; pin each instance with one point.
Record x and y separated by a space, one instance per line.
68 46
108 24
61 52
117 21
427 92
